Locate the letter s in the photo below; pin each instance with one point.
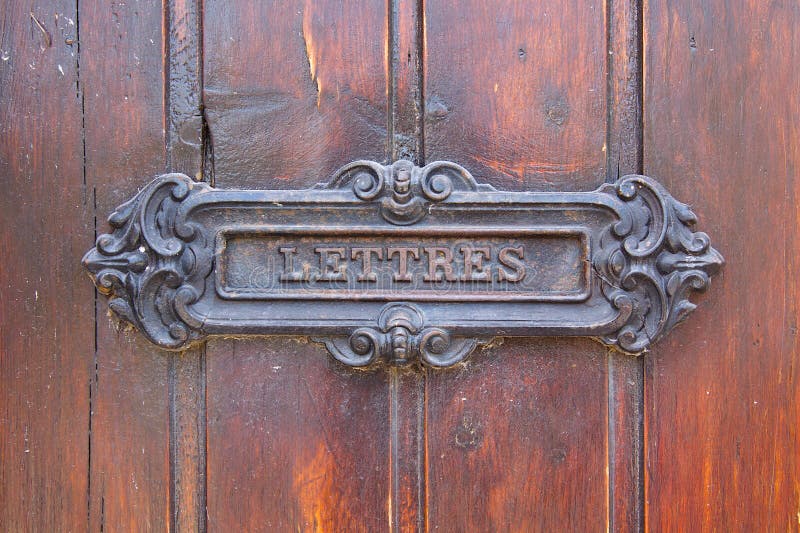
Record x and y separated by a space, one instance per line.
517 272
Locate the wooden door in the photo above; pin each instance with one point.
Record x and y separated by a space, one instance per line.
99 430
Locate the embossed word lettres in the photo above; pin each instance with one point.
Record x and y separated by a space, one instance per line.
399 263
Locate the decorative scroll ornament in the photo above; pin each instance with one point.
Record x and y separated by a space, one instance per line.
650 261
401 264
399 339
404 190
152 266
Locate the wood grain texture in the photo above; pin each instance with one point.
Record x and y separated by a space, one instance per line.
295 441
721 131
121 75
408 476
293 91
46 304
406 386
188 440
406 121
187 371
516 92
625 374
517 439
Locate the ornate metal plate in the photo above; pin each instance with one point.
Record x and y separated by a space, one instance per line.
398 263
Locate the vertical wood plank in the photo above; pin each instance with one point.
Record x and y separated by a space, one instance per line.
187 371
516 92
625 373
721 395
46 302
407 118
293 90
407 386
517 439
407 449
121 75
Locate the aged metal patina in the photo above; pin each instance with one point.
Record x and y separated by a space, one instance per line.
399 263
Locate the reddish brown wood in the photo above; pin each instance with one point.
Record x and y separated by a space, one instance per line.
625 374
517 92
626 443
540 434
188 440
624 131
187 372
46 306
295 440
407 386
121 75
517 439
293 90
407 449
722 394
405 61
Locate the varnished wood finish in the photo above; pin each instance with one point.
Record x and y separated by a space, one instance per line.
122 82
517 91
292 90
624 151
524 106
100 431
295 440
186 141
721 397
517 439
45 351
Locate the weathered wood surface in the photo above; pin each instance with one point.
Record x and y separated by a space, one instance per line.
722 94
516 91
185 150
519 434
624 151
538 434
46 306
293 89
122 82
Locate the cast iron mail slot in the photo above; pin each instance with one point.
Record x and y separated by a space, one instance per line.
398 262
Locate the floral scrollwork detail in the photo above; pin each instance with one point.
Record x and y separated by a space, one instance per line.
403 189
399 338
651 261
153 265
